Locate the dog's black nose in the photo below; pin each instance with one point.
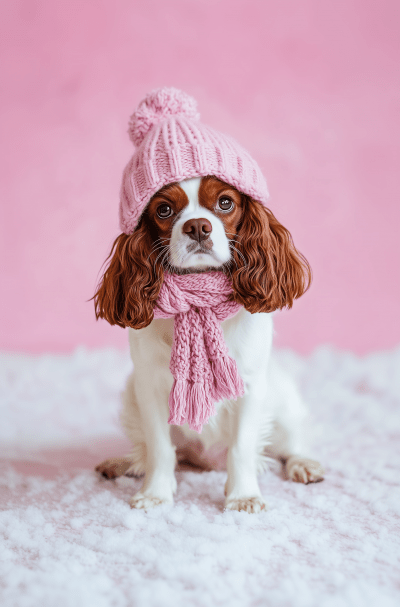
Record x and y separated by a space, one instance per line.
197 229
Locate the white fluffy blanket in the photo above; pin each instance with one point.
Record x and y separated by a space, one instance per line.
70 539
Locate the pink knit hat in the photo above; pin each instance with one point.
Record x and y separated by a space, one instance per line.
173 145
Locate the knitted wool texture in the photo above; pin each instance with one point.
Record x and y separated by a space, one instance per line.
203 371
172 145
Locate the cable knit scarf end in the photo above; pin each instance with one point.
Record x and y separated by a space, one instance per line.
203 371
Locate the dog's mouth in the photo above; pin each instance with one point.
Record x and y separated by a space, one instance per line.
196 256
201 248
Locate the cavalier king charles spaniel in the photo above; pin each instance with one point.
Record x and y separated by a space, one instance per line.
197 225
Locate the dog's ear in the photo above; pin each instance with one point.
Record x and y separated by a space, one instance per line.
269 272
131 282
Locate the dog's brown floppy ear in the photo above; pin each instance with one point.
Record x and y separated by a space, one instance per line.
131 282
269 271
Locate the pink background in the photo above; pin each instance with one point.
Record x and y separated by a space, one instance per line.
311 88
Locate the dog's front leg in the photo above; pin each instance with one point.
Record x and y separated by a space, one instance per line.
159 482
242 489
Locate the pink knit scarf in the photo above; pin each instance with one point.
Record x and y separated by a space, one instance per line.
203 371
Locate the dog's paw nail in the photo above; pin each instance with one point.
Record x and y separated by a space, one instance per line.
252 505
303 470
145 502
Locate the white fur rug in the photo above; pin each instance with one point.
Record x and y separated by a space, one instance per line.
70 539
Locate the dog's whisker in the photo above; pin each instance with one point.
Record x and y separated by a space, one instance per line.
242 257
157 246
229 263
159 242
155 250
165 260
158 256
161 249
226 267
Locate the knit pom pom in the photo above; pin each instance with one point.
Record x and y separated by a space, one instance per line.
156 106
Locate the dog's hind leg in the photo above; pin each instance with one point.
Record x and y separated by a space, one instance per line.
114 467
289 440
134 463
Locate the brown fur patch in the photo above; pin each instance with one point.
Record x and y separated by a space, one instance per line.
267 272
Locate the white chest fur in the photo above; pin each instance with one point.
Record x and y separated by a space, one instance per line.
248 338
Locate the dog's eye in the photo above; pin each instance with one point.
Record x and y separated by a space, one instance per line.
225 203
164 211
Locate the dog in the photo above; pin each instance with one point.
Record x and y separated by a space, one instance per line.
195 225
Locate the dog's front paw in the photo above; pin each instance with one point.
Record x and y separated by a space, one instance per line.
145 502
304 470
246 504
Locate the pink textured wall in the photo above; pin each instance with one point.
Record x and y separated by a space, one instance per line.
311 88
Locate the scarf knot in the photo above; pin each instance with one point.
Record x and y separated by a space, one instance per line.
203 371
